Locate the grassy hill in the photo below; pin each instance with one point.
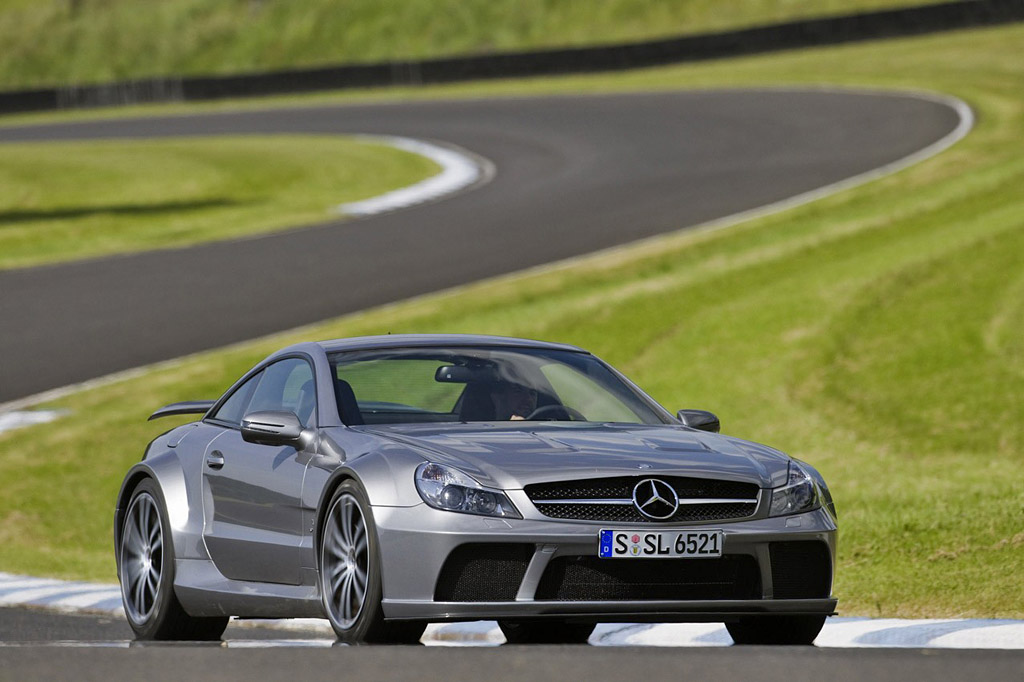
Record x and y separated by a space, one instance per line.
53 42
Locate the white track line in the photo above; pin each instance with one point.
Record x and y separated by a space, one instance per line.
459 170
16 419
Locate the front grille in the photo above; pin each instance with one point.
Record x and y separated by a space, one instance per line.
558 499
628 514
483 572
621 487
801 570
588 578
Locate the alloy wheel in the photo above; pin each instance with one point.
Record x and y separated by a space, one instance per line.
142 548
345 561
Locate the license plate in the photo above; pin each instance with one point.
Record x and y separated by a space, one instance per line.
635 544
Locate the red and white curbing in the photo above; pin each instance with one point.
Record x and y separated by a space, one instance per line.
954 633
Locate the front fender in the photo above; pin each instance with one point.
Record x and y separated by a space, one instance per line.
184 514
386 476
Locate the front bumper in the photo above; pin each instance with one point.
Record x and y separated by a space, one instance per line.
608 611
416 541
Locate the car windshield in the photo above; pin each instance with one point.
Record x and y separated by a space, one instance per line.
423 385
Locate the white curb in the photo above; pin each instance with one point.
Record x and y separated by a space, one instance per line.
953 633
459 170
16 419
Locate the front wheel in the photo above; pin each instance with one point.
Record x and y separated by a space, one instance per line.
546 632
146 569
776 629
350 573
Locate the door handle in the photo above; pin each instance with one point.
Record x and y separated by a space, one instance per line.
215 460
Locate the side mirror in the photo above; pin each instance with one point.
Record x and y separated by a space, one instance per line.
702 420
271 428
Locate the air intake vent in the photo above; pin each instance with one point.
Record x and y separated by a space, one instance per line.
587 578
483 572
801 570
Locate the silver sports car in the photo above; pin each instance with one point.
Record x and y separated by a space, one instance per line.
387 482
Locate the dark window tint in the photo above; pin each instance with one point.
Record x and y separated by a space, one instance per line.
234 407
287 386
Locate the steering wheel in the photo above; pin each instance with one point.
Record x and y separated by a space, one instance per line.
571 413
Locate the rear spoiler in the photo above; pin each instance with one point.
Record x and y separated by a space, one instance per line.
187 407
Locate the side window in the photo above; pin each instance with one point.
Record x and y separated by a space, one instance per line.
234 407
287 386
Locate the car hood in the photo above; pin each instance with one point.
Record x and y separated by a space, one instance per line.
512 456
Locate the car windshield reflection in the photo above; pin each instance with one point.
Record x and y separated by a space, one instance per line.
436 385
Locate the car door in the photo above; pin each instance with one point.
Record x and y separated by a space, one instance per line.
253 518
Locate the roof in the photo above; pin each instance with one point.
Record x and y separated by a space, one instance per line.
440 340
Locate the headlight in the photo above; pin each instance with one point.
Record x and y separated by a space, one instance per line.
451 490
798 495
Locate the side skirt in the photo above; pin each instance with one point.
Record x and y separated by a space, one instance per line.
204 591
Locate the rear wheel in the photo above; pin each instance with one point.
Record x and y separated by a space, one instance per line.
546 632
146 570
776 629
350 574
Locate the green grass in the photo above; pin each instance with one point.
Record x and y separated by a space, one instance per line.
62 201
83 41
876 333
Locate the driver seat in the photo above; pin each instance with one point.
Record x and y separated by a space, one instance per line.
476 404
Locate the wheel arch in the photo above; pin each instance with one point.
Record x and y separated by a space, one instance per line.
333 483
169 478
136 475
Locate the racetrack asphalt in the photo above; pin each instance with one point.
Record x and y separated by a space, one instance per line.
36 644
575 174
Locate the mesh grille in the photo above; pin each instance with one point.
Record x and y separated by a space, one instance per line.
629 514
621 488
587 578
483 572
801 570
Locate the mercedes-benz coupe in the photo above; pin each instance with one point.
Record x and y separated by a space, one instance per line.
388 482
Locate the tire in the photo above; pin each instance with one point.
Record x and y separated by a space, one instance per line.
546 632
793 630
350 573
145 567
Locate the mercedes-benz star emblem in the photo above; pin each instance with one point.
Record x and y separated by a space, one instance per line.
655 499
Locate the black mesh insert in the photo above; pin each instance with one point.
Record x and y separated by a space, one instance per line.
588 578
483 572
621 488
801 570
629 514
